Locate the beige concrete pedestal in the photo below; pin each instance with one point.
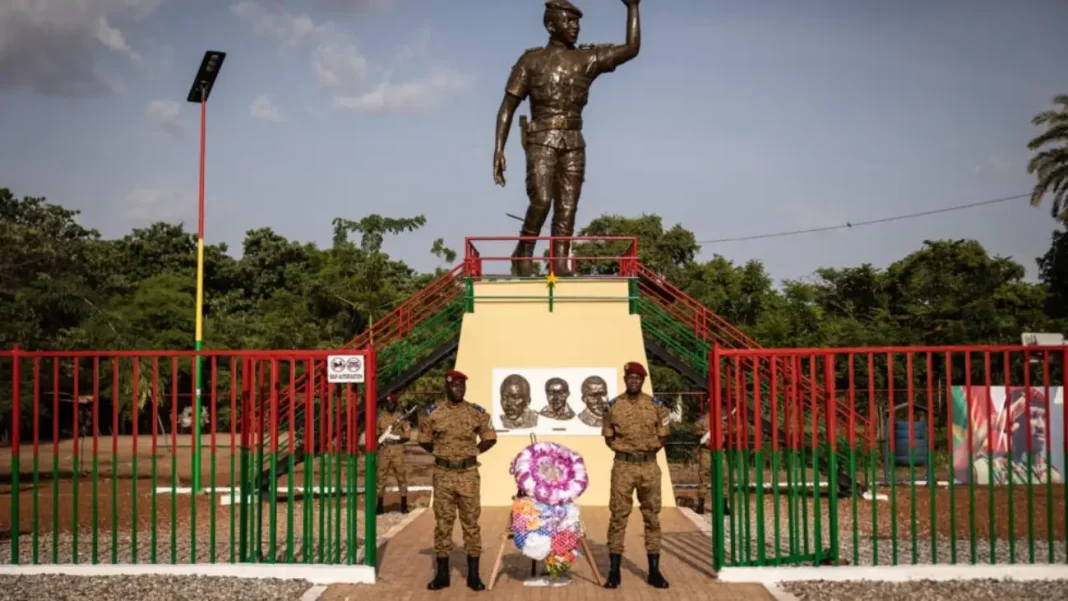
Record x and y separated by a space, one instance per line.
592 329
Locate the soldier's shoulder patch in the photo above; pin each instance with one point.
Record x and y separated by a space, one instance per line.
430 409
657 401
479 408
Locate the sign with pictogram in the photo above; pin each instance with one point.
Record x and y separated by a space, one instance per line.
346 369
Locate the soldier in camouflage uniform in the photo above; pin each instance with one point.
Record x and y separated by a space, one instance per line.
557 79
635 427
455 433
393 431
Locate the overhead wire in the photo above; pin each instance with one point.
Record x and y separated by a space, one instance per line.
853 224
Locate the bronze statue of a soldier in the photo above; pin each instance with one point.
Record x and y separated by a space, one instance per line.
557 79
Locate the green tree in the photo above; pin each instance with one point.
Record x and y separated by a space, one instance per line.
1050 163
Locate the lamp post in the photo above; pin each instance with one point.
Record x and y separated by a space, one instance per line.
198 94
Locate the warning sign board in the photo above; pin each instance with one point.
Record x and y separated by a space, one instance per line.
347 369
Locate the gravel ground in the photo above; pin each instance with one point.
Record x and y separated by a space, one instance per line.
924 590
148 588
183 547
881 551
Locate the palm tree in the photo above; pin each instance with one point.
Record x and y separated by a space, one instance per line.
1051 164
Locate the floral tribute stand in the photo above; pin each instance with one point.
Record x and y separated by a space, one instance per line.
545 523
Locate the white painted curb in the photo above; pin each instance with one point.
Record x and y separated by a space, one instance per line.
770 576
315 574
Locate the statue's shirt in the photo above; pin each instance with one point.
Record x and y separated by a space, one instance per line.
557 80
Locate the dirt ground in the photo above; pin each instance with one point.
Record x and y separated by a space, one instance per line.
64 504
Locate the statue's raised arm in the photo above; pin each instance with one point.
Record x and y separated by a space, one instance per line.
614 55
556 79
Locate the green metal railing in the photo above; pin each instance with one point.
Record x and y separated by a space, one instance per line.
996 490
110 462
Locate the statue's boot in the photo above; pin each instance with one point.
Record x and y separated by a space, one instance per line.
474 581
441 576
404 504
614 561
561 256
701 506
381 508
656 579
522 266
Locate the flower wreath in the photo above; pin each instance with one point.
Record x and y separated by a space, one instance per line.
550 472
545 519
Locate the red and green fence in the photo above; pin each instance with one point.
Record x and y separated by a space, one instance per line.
961 458
102 448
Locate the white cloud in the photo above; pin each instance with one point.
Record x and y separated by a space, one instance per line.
166 116
350 79
149 205
56 47
285 29
263 107
352 7
418 95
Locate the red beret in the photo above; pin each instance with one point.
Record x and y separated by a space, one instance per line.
452 376
634 368
391 398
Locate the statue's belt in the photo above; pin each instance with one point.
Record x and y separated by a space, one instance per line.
636 457
551 123
456 464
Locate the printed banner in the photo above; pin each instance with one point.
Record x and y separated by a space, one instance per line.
562 401
1010 431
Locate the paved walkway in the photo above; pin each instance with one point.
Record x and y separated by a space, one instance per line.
406 565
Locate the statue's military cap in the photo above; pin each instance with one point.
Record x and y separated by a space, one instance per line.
563 5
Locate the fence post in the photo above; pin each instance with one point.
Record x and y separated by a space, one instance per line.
370 463
830 393
715 415
16 402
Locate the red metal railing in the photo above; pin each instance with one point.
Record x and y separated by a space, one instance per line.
475 262
79 486
399 322
973 463
712 328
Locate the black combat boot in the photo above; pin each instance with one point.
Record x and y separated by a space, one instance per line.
474 581
614 560
381 506
441 576
656 579
521 266
404 504
701 506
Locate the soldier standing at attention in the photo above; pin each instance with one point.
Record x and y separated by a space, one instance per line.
557 79
393 431
635 427
455 433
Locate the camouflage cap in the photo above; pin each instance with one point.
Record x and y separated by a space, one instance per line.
562 6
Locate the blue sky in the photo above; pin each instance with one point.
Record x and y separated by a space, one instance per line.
737 118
